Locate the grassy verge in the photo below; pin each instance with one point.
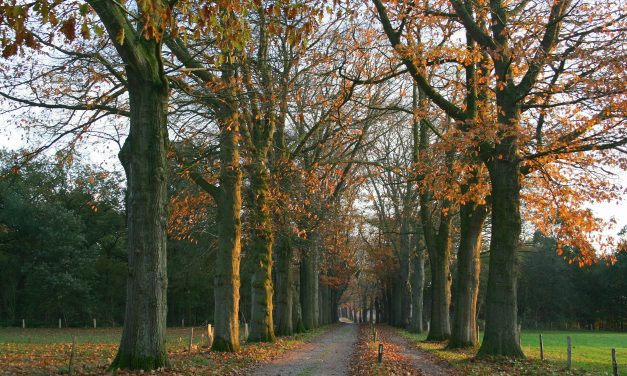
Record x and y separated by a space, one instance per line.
591 354
46 351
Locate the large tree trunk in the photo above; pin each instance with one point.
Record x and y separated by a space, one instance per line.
417 286
144 159
309 286
297 316
284 286
464 334
439 248
404 285
396 302
262 326
440 328
501 332
227 273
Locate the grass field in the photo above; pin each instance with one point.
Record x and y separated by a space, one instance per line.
591 354
46 351
591 350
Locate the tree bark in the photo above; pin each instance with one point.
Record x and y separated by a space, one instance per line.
440 328
297 316
284 286
309 286
417 286
464 334
144 159
501 332
227 270
262 326
404 283
439 248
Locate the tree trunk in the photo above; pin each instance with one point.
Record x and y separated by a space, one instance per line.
297 316
145 164
309 286
440 297
439 248
464 334
501 331
262 326
396 302
227 270
417 287
404 284
284 286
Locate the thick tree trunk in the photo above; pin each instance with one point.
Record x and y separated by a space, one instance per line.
417 287
439 247
440 328
404 283
227 270
297 316
284 286
501 332
398 294
309 286
262 326
464 334
144 159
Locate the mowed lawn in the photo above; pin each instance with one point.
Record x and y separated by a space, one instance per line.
592 351
591 354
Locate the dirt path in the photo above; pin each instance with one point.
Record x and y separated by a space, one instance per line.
400 356
327 355
426 363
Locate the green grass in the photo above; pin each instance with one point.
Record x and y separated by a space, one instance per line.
591 354
591 350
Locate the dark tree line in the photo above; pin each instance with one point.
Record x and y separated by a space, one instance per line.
556 294
63 250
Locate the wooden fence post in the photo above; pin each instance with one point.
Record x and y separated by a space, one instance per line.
182 323
246 332
568 353
70 370
380 355
614 363
94 323
541 348
59 323
191 339
23 324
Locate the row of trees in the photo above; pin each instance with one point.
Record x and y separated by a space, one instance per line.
80 275
444 114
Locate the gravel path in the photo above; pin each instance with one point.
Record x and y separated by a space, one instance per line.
327 355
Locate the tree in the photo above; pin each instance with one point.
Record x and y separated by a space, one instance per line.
522 70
